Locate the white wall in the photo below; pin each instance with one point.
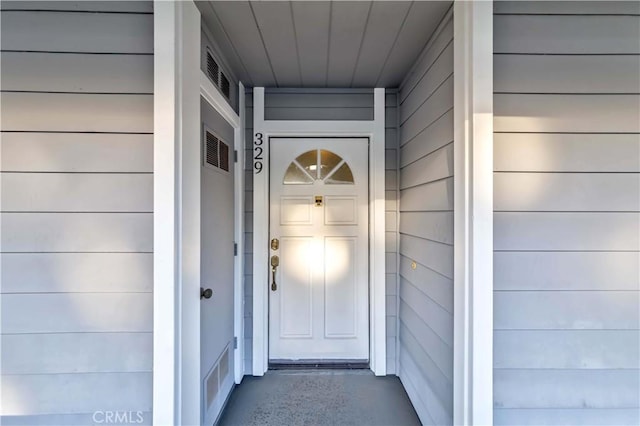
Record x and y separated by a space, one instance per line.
567 197
326 104
77 212
426 230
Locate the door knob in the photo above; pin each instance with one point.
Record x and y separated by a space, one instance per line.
205 293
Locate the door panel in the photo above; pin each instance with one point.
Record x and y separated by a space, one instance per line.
295 287
319 211
217 260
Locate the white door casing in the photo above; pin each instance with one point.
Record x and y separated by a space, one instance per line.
263 131
319 215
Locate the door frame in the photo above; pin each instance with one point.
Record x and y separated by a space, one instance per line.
179 83
375 131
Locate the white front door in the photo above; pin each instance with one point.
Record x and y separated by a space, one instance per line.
319 210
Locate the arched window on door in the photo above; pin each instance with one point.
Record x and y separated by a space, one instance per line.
318 165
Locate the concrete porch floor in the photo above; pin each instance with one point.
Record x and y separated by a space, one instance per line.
319 397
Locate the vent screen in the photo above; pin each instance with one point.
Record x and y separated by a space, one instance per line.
224 85
212 386
212 69
223 365
217 76
215 152
224 156
211 150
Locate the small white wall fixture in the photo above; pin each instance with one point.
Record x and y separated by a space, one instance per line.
473 213
178 85
374 130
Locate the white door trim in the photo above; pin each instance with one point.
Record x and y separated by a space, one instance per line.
473 213
178 86
374 130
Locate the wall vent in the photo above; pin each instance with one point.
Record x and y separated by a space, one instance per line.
224 85
211 149
213 69
224 156
217 77
216 378
215 152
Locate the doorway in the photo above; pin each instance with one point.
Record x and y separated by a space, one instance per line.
319 287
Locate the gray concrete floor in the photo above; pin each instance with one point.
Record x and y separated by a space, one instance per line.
319 397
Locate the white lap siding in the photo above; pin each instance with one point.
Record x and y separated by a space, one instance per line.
566 221
426 230
77 211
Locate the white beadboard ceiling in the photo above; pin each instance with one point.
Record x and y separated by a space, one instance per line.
322 43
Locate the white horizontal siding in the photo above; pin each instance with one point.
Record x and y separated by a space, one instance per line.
435 136
566 310
426 230
49 394
598 270
76 152
557 74
564 349
58 354
143 418
566 113
77 192
80 6
558 389
77 232
77 186
76 313
566 152
586 192
597 34
436 195
76 272
71 112
435 166
436 286
566 195
569 231
568 7
78 73
566 416
77 32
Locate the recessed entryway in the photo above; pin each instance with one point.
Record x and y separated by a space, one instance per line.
343 397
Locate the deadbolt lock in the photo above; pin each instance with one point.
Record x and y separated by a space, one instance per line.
318 200
275 244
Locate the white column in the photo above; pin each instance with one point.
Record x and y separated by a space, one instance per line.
176 328
473 213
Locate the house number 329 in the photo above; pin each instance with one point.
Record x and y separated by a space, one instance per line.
258 149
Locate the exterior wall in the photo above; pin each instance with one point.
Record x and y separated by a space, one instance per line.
323 104
426 230
77 204
567 197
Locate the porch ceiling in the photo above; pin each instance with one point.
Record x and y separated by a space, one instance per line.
322 43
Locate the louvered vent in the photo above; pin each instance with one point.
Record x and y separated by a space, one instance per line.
216 378
211 150
224 85
224 156
212 69
213 386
